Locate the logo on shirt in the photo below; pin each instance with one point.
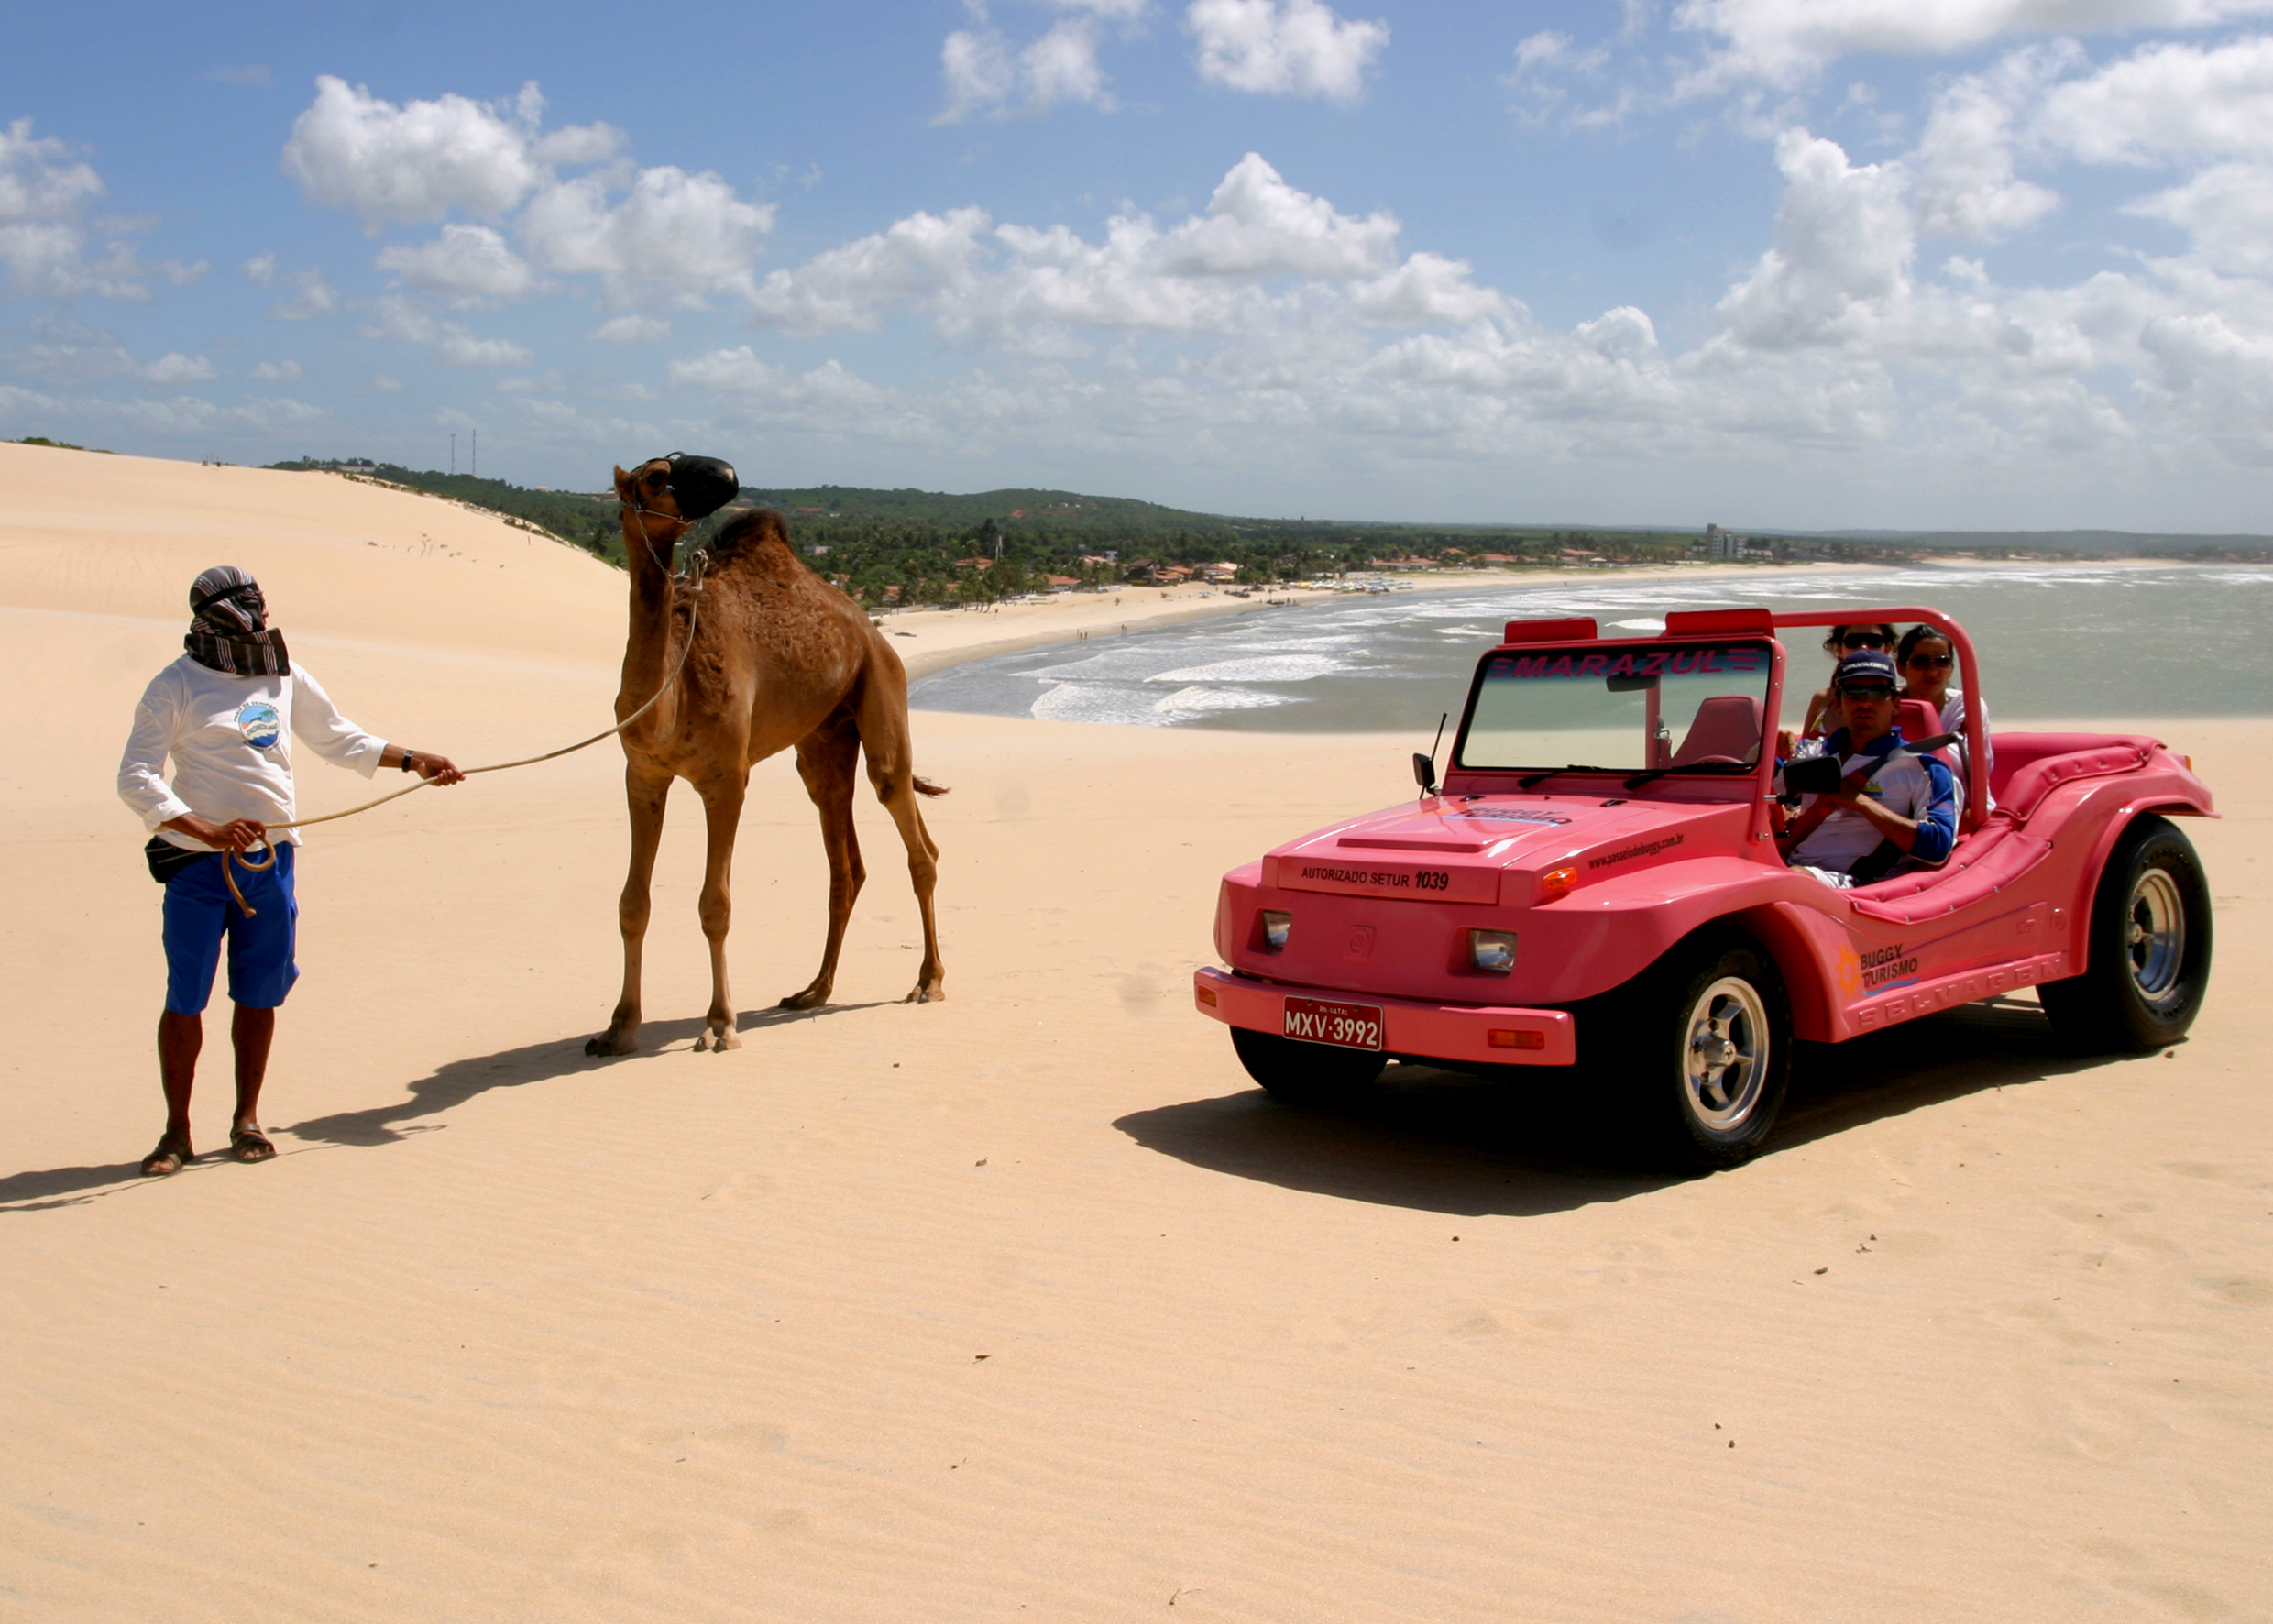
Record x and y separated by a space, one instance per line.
259 722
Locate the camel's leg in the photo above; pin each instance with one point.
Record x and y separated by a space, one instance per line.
826 759
892 770
647 794
722 806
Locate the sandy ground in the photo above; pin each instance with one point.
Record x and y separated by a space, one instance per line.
1026 1304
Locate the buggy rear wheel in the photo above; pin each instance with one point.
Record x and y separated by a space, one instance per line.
1305 1073
2148 951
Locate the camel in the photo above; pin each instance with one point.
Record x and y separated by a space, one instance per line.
780 658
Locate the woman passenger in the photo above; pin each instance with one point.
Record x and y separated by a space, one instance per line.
1927 664
1822 715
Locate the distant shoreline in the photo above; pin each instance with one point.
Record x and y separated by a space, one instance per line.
933 640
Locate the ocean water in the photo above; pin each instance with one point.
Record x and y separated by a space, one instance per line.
2066 642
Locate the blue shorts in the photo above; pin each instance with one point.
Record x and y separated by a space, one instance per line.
199 912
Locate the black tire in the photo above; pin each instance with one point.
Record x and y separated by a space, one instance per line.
1305 1073
1698 1052
2148 951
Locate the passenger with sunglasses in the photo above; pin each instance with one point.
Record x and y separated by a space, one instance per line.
1891 813
1929 666
1822 714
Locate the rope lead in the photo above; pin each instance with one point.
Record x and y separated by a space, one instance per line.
696 562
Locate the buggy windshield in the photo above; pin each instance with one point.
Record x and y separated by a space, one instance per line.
1695 708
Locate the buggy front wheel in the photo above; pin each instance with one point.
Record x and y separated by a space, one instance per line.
1700 1046
1304 1074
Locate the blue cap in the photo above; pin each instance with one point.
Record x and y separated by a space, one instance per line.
1866 666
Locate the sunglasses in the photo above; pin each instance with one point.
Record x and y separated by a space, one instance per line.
1932 662
1863 640
1873 693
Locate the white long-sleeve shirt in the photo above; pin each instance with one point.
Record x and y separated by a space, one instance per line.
230 739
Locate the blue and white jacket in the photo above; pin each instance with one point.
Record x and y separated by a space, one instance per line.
1916 787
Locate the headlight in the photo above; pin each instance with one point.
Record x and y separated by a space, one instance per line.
1492 952
1275 928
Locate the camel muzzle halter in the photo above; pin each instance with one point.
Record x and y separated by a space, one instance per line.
700 486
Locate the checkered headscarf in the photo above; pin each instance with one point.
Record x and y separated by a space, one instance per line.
229 629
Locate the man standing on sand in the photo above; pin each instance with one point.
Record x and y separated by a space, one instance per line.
227 712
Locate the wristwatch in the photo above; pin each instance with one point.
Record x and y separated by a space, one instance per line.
405 762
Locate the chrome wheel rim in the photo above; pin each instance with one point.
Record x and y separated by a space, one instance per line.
1725 1059
2154 933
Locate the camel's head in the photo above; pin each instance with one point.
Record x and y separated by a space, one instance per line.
678 487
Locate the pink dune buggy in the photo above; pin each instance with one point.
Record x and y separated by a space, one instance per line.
1596 886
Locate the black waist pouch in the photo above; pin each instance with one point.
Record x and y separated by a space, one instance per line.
167 860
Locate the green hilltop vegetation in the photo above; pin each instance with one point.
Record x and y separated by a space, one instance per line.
917 546
572 516
59 444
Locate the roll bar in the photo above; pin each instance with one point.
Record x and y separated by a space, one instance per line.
1969 669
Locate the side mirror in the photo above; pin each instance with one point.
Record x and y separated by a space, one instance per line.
1424 773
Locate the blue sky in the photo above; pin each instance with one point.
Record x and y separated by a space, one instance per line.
1771 262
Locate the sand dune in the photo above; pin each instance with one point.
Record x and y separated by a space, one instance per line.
509 1333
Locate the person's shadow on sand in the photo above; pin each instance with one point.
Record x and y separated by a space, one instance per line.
1441 1142
451 1084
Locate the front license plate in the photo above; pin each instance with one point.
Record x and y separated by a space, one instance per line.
1345 1025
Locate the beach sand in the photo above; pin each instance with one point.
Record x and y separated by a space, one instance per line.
1026 1304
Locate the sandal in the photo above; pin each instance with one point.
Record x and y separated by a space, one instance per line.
171 1153
250 1145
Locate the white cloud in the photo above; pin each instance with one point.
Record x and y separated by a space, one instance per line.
659 233
1284 47
260 271
1201 274
179 417
311 294
740 372
46 246
276 372
1845 239
983 72
2227 211
401 165
451 345
1966 186
674 237
577 144
1262 319
191 415
846 288
1427 289
175 369
1062 66
1546 48
633 330
2167 101
1785 41
466 264
382 384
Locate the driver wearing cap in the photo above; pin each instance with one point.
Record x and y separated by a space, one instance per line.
1888 813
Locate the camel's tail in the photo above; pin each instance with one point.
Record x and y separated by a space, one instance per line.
924 786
